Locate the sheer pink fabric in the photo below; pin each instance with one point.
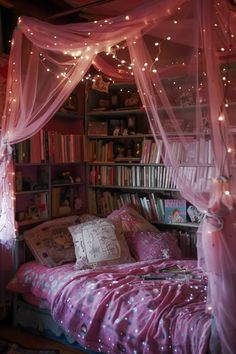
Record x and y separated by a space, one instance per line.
173 49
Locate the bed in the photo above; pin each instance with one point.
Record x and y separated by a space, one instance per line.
133 295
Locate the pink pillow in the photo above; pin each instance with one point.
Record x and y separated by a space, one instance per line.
151 245
25 277
131 220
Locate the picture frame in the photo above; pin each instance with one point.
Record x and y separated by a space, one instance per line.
71 103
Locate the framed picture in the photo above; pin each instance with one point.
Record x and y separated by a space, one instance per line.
71 104
33 212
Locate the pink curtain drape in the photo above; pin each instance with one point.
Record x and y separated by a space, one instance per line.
177 51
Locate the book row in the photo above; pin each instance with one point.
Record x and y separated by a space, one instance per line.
187 242
50 146
194 151
151 176
153 208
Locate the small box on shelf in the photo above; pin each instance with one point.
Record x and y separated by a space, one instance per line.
97 128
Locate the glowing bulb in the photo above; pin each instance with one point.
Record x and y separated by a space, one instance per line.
222 49
221 117
156 44
127 18
168 38
229 149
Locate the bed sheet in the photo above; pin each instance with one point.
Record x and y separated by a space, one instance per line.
145 307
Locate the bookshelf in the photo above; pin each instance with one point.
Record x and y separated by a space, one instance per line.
124 163
50 167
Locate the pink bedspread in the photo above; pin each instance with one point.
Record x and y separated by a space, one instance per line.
114 310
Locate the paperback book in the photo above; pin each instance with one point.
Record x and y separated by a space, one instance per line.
175 211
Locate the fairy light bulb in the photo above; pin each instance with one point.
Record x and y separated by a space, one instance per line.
221 117
227 192
229 149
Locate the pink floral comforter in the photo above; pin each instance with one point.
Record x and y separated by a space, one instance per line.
117 310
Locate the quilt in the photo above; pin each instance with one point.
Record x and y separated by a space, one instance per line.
144 307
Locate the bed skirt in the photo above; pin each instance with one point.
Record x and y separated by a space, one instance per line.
39 321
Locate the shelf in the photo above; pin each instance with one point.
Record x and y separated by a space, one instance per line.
135 136
68 114
146 189
67 184
118 112
151 136
66 163
182 224
141 110
114 163
22 164
33 192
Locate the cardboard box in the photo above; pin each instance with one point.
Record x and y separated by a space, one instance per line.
98 128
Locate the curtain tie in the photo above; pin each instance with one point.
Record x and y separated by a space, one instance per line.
214 220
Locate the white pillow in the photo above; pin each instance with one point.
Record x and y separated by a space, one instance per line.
98 243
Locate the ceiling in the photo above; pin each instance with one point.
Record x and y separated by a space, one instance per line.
58 12
67 11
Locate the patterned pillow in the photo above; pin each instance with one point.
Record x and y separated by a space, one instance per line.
151 245
51 242
131 220
87 217
99 242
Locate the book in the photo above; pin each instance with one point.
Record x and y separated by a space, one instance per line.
175 211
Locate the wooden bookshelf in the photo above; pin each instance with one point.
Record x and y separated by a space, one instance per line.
51 165
124 163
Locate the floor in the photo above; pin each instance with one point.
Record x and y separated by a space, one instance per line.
29 340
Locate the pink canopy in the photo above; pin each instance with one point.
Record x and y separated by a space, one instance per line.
181 55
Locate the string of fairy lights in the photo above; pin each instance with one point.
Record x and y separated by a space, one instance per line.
124 65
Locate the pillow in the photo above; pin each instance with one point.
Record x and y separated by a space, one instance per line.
131 220
25 277
99 242
151 245
87 217
51 242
